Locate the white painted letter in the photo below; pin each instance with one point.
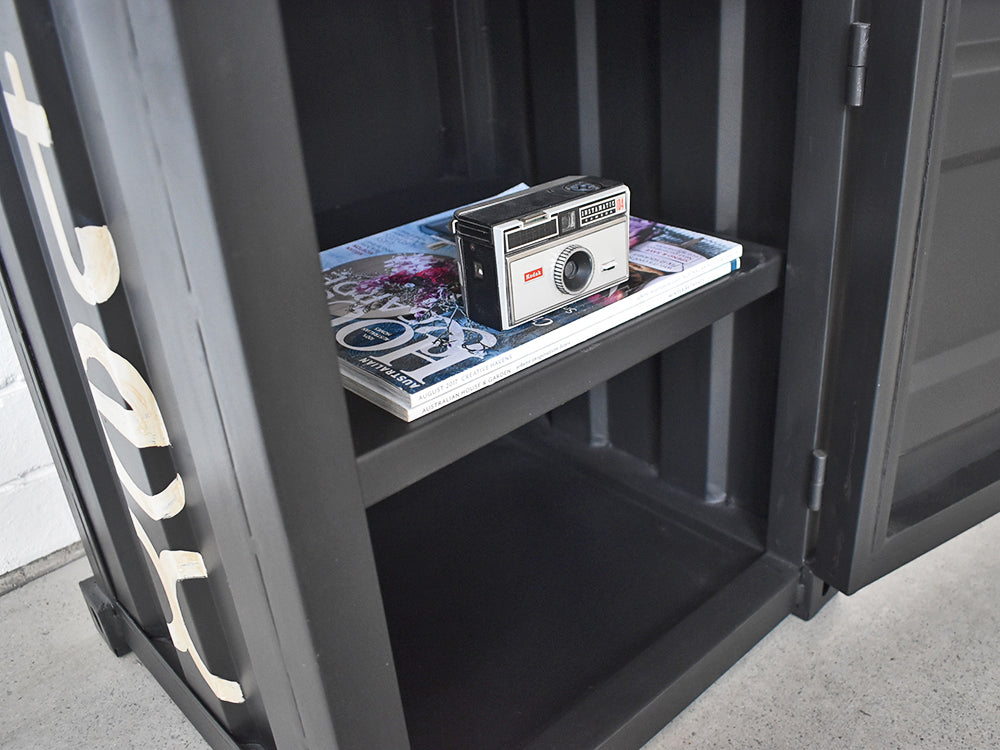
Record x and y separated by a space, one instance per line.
164 504
101 273
178 565
142 424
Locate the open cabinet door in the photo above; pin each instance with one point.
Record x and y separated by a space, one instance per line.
910 411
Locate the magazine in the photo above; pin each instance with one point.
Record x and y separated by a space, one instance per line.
406 345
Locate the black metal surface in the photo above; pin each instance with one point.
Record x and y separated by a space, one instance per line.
551 57
201 155
685 391
438 123
206 645
537 593
879 212
627 90
35 309
776 58
912 440
949 422
689 100
820 144
753 404
636 412
630 708
151 656
106 615
418 448
646 486
513 589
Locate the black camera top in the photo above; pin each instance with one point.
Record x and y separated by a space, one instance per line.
583 186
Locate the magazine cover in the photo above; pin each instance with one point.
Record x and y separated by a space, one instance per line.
405 343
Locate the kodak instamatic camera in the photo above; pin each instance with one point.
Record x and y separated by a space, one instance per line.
525 254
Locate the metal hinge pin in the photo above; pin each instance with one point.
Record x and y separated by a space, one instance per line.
817 479
856 63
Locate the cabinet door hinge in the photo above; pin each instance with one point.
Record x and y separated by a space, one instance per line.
817 479
856 62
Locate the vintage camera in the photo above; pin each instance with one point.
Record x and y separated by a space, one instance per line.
526 254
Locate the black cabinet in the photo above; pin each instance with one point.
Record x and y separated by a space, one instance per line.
570 556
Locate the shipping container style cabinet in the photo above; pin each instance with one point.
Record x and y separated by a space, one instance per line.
568 557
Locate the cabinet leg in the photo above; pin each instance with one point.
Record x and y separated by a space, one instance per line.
105 615
812 594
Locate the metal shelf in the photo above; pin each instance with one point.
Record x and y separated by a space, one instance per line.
393 454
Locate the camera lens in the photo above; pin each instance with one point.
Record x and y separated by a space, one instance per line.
574 267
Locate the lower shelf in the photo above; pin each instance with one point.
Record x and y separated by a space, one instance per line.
517 589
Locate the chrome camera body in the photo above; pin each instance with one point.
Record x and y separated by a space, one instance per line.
528 253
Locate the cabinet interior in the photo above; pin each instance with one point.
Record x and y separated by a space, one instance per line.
540 553
520 576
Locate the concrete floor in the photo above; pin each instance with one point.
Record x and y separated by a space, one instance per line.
911 661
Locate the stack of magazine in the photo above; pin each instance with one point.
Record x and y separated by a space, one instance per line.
406 345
